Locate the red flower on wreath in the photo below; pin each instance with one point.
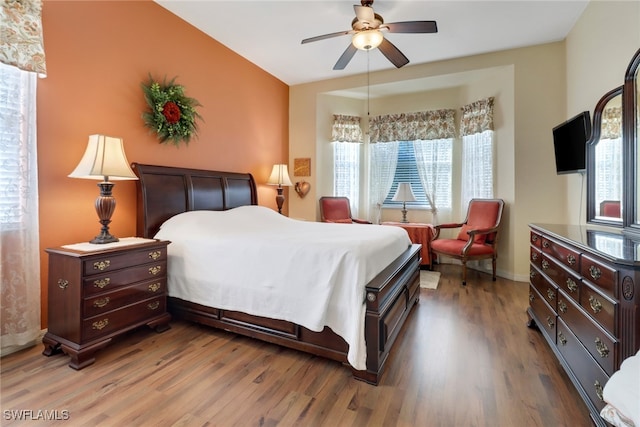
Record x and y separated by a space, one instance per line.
171 112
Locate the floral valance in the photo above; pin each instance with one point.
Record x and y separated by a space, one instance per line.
346 129
477 117
422 125
21 35
611 123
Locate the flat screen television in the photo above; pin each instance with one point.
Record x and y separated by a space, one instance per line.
570 143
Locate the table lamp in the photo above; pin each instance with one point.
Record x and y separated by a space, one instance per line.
404 194
104 159
279 176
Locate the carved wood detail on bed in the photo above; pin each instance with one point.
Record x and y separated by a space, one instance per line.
163 192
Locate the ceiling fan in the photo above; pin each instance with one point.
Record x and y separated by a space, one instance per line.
367 33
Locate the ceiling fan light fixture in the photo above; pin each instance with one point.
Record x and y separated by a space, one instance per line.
367 39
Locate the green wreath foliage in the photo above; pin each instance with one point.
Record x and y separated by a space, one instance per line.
172 115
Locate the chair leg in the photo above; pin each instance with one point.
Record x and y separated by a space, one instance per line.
493 263
464 273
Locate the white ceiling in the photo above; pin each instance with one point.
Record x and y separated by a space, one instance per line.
268 33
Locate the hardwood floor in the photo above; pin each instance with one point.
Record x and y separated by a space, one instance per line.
465 358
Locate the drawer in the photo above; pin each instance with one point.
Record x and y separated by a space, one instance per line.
535 256
599 274
122 296
535 239
596 340
590 375
600 307
565 255
110 281
546 317
120 259
125 317
562 277
547 290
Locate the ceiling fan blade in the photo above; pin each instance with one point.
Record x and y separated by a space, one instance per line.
413 27
345 57
364 14
393 54
326 36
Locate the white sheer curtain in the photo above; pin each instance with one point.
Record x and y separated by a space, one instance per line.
19 242
477 167
383 159
346 173
434 162
608 155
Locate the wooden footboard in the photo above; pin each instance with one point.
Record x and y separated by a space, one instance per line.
389 298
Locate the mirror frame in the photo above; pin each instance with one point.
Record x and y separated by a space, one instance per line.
593 141
631 144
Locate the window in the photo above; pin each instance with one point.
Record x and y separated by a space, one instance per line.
346 172
477 169
436 162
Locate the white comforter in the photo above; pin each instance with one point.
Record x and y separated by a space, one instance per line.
254 260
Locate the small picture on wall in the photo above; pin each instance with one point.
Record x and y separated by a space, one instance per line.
302 167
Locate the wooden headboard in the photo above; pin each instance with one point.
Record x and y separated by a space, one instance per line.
164 191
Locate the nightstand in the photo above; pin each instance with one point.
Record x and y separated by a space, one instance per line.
97 292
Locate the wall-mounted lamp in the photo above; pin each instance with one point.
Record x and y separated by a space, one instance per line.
279 176
404 194
104 159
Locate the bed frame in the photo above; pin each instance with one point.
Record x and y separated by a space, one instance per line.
163 192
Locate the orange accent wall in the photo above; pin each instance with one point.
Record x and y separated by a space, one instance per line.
98 53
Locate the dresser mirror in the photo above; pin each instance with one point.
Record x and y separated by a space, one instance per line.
631 129
604 162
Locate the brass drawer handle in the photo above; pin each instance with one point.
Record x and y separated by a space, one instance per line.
101 283
99 303
571 260
562 339
63 283
545 244
572 285
562 306
551 294
550 322
155 270
598 388
534 256
101 265
531 297
601 347
100 324
595 305
532 274
595 272
545 264
154 287
155 255
153 305
534 238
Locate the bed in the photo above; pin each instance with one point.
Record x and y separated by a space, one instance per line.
169 195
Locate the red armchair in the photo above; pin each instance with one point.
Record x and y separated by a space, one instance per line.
337 209
478 236
610 208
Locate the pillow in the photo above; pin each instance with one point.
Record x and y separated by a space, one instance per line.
464 235
622 392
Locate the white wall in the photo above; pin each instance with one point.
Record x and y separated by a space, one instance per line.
536 88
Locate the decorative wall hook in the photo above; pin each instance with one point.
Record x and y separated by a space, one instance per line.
302 188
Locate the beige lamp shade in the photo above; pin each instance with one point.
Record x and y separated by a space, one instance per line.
104 158
404 193
279 176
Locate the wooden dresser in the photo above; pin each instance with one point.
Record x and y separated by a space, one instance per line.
98 294
584 296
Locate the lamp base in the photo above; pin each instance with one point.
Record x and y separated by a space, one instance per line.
280 199
404 213
105 205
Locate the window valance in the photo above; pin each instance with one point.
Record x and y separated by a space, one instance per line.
346 129
423 125
477 117
21 42
611 123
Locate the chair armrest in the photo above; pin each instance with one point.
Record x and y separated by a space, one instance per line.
472 233
437 228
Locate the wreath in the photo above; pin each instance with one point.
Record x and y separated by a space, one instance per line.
171 115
